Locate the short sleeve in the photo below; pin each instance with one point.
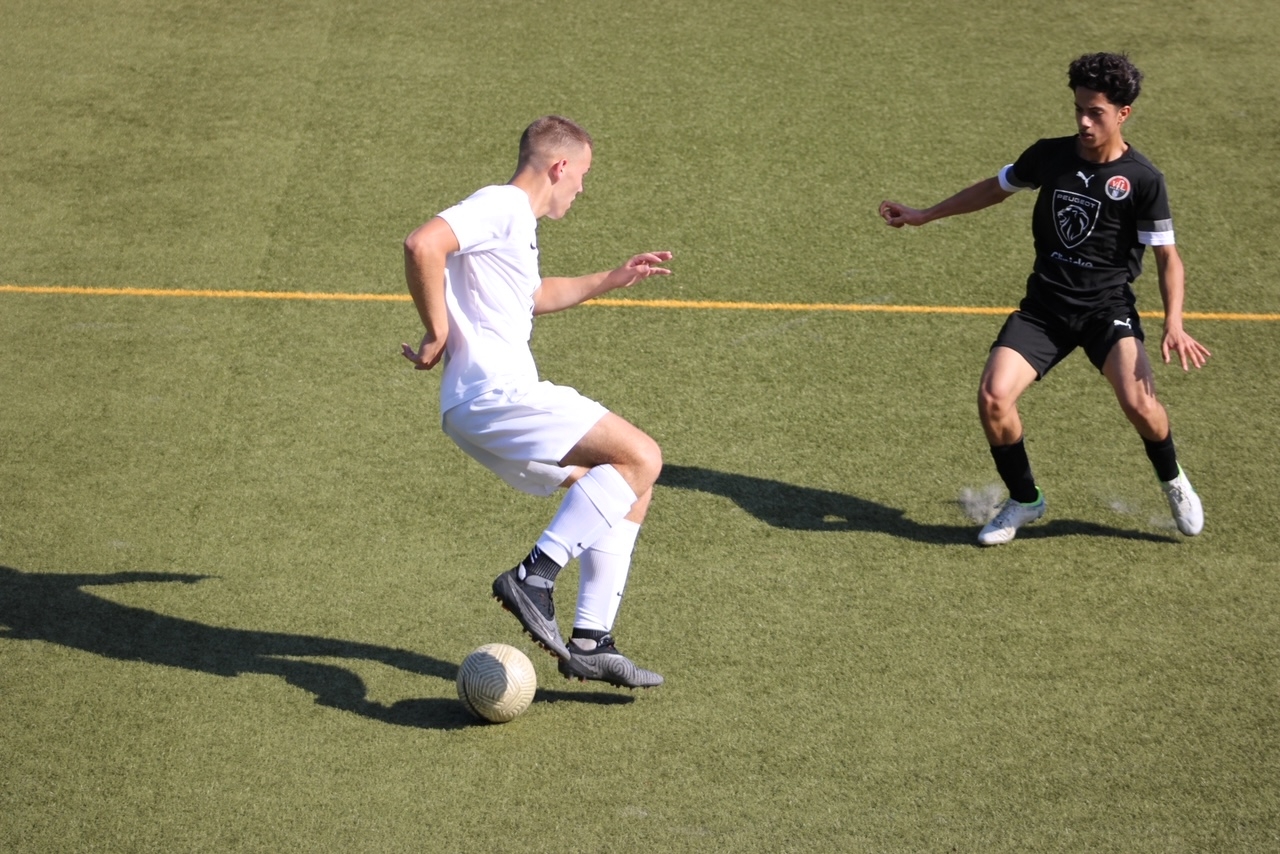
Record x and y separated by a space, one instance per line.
480 222
1154 219
1023 173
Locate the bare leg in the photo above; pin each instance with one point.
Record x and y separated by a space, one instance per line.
1006 376
1129 372
615 466
606 562
637 457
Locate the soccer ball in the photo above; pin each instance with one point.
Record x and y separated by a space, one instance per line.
496 682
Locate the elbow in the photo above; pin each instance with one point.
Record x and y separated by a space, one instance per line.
420 251
421 241
413 245
432 240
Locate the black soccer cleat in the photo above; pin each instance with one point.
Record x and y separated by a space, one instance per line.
533 607
606 664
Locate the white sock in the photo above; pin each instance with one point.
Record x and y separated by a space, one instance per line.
604 569
598 501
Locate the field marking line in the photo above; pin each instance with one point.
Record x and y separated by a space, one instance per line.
201 294
893 309
604 302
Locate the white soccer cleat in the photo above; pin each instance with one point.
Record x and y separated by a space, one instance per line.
1184 504
1012 516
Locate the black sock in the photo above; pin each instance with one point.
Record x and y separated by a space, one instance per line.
1015 470
588 634
540 565
1163 457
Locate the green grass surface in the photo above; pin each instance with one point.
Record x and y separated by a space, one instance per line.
241 562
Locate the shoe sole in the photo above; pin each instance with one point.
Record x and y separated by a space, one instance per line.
611 671
546 635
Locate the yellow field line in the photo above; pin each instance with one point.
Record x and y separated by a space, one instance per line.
799 306
891 309
204 294
611 303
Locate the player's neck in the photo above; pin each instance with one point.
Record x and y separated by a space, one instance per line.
1113 150
536 188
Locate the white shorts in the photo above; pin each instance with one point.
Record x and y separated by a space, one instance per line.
521 436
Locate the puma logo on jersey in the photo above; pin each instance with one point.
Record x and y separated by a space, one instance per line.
1125 323
1085 178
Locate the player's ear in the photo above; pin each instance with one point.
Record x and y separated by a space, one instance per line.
557 170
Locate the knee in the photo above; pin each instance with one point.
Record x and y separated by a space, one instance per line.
1142 410
638 458
993 405
649 458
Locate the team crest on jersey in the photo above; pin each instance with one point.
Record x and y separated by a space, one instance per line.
1118 188
1074 216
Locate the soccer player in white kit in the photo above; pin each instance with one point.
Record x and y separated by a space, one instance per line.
473 273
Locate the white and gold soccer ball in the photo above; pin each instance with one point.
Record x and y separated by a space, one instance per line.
496 682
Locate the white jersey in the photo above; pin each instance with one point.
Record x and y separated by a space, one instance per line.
489 286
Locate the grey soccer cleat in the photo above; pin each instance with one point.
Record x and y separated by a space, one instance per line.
1012 516
1184 504
532 606
606 664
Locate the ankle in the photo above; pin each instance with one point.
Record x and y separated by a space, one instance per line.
587 639
539 565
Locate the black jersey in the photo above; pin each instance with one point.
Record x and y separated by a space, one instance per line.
1091 223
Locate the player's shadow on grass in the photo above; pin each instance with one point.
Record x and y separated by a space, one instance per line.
802 508
53 608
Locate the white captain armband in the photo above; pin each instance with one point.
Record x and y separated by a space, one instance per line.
1009 182
1158 233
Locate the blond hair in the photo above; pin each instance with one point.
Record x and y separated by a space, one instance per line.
549 136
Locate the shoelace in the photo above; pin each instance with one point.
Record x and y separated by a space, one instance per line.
1006 513
541 598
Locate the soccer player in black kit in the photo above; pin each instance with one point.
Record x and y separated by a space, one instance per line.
1100 204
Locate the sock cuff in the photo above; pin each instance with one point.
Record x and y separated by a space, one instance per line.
609 491
554 548
1163 456
543 565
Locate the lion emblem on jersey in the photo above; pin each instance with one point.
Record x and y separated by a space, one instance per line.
1074 216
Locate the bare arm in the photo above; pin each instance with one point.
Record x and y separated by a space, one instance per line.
981 195
1172 289
425 253
557 294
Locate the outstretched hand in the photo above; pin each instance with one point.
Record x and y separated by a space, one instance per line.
898 215
638 268
1189 350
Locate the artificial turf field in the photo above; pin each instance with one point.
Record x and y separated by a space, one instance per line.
239 562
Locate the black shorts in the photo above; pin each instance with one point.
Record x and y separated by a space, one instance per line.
1044 338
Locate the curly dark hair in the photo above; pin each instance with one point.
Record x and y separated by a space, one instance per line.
1112 74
